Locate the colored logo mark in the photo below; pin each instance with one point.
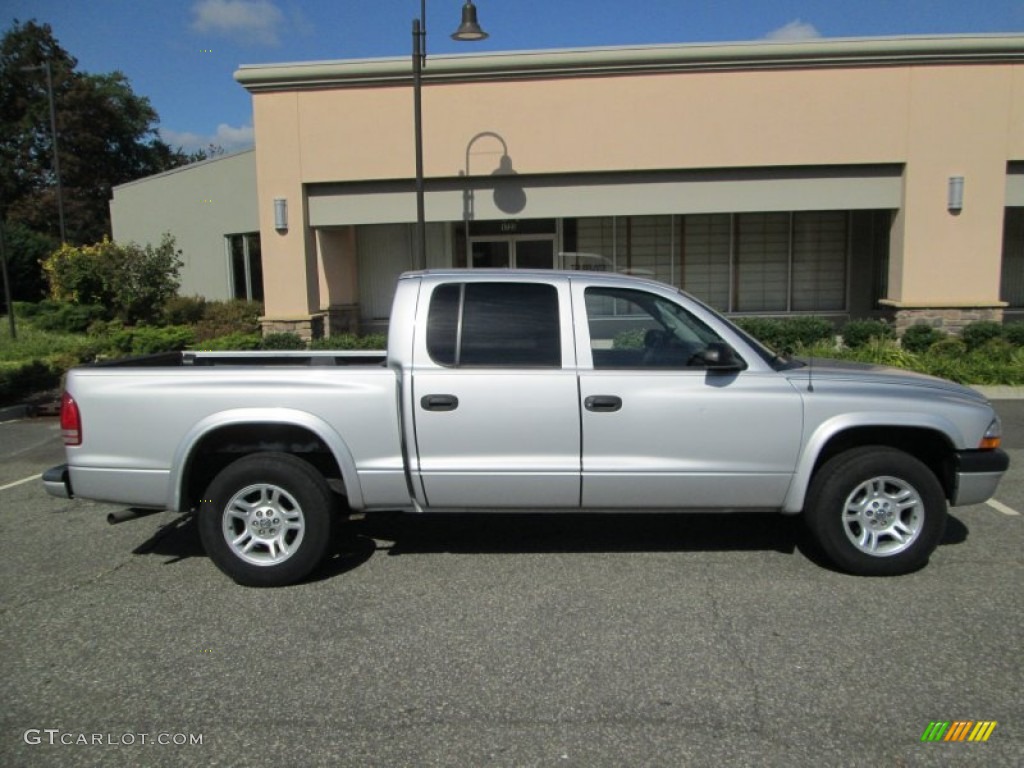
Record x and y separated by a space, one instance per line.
959 730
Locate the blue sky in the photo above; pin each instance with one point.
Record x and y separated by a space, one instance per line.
182 53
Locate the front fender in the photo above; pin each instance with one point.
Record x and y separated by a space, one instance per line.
831 428
240 417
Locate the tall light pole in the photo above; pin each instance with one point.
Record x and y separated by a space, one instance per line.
7 283
53 134
469 30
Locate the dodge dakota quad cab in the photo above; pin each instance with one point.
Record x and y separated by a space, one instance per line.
533 391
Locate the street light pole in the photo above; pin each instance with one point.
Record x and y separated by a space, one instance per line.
7 282
53 136
469 30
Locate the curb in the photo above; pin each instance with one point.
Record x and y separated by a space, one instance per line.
1001 392
30 410
13 412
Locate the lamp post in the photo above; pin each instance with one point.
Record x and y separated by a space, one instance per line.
7 281
469 30
53 134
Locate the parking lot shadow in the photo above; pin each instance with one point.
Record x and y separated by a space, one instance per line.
396 534
579 532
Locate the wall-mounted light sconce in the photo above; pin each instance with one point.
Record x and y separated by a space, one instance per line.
280 214
955 195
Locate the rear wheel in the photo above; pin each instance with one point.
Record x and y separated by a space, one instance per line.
876 511
266 519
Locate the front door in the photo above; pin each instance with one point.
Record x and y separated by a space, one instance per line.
659 429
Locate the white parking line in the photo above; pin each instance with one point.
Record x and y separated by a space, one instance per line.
19 482
998 506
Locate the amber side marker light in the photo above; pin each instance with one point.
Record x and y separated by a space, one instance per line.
992 438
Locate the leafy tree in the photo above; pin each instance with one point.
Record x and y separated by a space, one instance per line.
106 136
25 250
131 281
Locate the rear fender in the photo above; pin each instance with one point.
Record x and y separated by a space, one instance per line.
178 500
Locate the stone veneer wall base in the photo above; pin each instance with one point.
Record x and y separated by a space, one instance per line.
948 319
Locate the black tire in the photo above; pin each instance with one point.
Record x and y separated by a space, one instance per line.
876 511
266 519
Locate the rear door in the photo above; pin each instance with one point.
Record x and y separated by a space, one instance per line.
494 394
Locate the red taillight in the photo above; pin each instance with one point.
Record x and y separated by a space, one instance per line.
70 420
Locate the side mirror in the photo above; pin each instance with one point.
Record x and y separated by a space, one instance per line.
720 357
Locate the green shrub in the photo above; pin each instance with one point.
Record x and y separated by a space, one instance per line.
787 334
65 317
857 333
1012 332
20 379
26 310
282 341
184 310
629 339
949 347
349 341
221 318
880 351
918 338
997 350
231 342
132 282
976 334
148 340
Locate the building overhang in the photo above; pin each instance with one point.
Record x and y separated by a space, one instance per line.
603 62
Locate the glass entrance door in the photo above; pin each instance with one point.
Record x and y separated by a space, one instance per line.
535 254
512 252
492 254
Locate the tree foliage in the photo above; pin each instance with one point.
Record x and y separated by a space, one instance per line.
25 249
106 136
131 281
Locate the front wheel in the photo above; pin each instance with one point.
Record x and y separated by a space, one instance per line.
266 519
876 511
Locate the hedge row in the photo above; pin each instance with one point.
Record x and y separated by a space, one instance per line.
790 334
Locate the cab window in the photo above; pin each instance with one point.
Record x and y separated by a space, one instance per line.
636 329
494 325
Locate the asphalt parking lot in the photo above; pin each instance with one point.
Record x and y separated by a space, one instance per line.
507 641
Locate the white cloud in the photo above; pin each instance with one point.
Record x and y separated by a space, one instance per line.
795 30
230 138
245 21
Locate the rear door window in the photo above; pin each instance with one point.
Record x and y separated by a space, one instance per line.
494 325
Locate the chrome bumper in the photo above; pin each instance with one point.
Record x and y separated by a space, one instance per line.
57 482
977 476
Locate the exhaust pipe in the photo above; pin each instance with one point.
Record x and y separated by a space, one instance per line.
124 515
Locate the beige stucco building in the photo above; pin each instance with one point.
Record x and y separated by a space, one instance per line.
832 177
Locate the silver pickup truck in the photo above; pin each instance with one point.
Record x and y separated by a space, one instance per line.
533 391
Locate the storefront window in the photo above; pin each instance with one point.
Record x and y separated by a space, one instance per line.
1012 284
246 266
744 262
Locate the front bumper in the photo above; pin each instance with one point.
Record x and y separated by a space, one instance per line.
977 475
57 482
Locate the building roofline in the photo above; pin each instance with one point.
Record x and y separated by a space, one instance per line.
186 167
581 62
